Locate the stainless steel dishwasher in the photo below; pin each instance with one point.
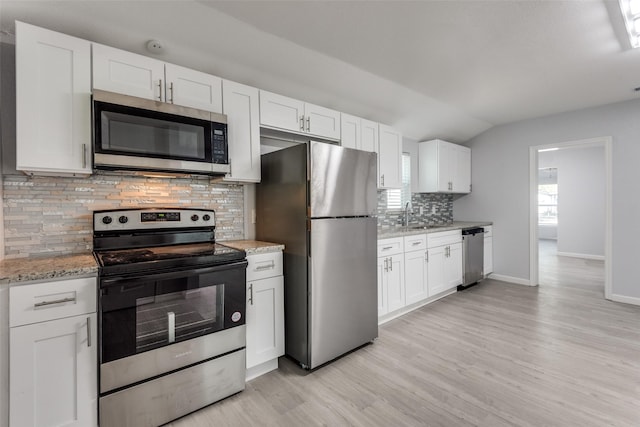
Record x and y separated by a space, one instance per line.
472 255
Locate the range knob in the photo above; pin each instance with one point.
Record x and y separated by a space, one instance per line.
206 217
123 219
194 217
107 219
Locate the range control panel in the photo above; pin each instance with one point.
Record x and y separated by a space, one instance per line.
139 219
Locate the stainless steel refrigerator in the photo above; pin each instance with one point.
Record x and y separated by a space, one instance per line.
320 201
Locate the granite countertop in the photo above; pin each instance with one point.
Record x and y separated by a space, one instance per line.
388 232
43 268
254 246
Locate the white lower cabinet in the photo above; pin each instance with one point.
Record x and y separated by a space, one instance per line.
488 250
53 354
445 261
417 269
265 313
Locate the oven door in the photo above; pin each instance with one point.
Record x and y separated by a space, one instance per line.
138 314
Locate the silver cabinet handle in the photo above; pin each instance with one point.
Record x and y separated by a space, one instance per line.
415 243
160 89
382 179
308 124
88 331
84 156
265 267
386 248
301 122
171 326
426 256
386 265
390 264
171 90
251 294
57 301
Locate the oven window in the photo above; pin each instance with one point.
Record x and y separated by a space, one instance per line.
178 316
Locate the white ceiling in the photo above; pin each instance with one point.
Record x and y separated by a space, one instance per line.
446 69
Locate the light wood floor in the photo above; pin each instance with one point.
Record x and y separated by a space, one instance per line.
496 354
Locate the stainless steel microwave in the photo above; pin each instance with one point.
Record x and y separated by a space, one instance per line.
137 134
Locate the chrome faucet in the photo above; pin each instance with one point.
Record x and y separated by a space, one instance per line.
406 214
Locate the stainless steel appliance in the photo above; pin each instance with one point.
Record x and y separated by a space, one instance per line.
171 315
472 255
320 201
139 134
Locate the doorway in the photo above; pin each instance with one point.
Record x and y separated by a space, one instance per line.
571 252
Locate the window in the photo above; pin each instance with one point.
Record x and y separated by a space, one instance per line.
548 196
398 198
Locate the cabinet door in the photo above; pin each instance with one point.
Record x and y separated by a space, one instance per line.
488 255
462 177
390 158
453 266
382 287
415 276
265 320
395 282
435 270
369 136
350 131
322 121
241 105
280 112
192 88
53 378
447 165
53 102
119 71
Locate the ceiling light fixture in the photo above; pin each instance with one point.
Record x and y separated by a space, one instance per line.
631 15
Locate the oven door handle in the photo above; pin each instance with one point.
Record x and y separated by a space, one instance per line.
132 280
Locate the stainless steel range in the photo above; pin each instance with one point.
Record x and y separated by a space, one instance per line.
171 315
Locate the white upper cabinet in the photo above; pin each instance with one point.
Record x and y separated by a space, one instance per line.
193 88
350 131
53 102
359 133
241 105
288 114
389 158
444 167
119 71
369 136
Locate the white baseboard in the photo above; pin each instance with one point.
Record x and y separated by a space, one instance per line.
625 299
584 256
404 310
510 279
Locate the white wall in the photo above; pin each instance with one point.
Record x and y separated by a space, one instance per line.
500 176
581 199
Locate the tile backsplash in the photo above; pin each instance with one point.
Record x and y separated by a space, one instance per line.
436 209
47 216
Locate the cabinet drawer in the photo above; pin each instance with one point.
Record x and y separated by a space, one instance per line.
444 238
392 246
41 302
488 231
415 243
262 266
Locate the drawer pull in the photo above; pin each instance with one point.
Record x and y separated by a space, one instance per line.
88 331
386 248
415 243
57 301
265 267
